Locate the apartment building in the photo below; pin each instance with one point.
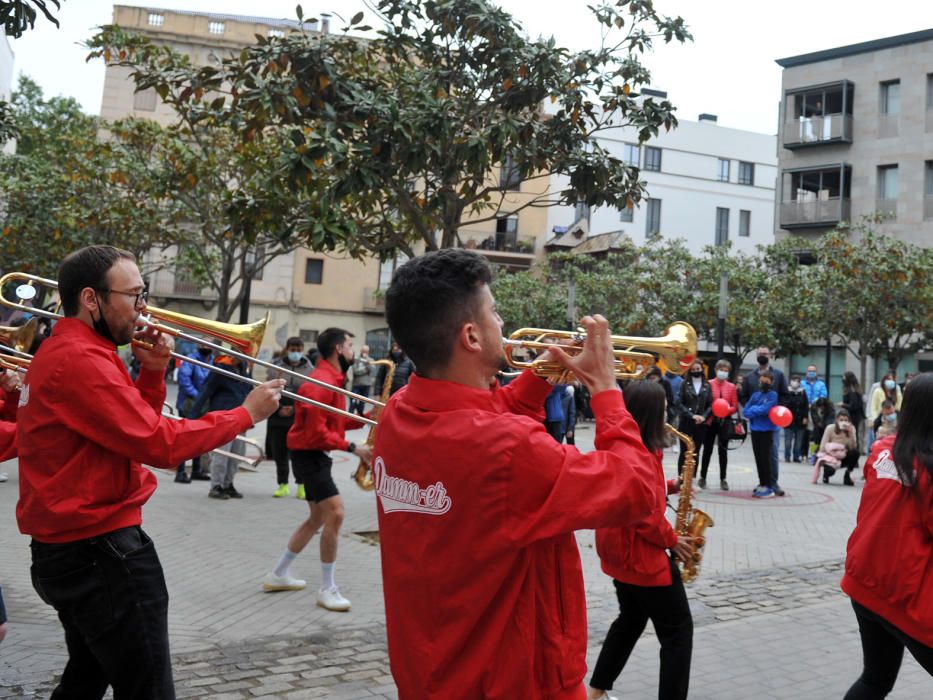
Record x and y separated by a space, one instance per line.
305 291
706 184
856 138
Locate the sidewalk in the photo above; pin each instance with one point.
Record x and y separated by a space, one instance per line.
770 619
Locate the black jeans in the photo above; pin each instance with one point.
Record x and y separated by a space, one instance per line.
357 406
882 651
669 612
714 434
277 437
691 429
761 446
110 595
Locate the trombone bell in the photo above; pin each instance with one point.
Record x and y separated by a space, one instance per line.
20 337
247 338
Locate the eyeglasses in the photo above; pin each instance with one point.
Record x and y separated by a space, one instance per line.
138 297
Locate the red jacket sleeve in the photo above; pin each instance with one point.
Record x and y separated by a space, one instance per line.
7 440
657 530
555 489
105 408
525 395
151 384
9 401
315 428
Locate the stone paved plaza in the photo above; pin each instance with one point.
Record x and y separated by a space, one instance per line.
770 619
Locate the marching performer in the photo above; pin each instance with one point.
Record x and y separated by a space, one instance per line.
646 580
83 429
314 434
477 504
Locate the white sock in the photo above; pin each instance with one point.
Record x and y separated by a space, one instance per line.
327 575
285 561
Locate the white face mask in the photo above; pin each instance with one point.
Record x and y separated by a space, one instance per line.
844 425
722 375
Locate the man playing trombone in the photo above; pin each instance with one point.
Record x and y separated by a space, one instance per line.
477 504
83 429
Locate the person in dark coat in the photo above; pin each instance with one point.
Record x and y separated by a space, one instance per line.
221 393
795 434
404 368
561 413
695 404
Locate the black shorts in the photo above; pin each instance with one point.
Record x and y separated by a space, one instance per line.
312 468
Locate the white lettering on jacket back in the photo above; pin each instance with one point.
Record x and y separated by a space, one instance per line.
398 494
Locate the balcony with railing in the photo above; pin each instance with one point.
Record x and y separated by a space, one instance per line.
815 197
170 284
818 115
374 300
886 207
504 247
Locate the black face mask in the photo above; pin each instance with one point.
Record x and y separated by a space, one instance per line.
345 364
396 356
762 360
205 352
765 386
696 373
100 324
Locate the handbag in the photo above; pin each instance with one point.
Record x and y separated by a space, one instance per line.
735 430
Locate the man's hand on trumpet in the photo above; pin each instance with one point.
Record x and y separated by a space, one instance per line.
263 401
595 364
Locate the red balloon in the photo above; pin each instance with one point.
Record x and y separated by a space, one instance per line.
721 408
781 416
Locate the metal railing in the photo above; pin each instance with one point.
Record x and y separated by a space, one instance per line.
497 242
815 130
373 300
814 212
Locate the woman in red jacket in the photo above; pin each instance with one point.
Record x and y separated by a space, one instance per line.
889 558
646 579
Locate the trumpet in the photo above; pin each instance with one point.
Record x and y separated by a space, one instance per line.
247 338
675 351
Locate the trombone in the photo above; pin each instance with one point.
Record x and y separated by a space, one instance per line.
250 463
248 338
634 356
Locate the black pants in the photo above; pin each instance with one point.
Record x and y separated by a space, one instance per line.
761 446
714 434
277 437
882 651
110 595
669 612
693 430
555 429
357 406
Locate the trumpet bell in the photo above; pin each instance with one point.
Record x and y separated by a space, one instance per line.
247 338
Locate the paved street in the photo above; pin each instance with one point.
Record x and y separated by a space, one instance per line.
770 619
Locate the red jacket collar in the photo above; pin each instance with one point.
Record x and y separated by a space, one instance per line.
439 395
327 372
80 332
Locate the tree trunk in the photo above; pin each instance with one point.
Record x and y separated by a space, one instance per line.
863 369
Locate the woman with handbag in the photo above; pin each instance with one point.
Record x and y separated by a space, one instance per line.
695 403
717 428
889 556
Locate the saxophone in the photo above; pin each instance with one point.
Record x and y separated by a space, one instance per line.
364 472
691 522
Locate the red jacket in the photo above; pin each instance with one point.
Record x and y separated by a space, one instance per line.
723 390
317 429
889 558
8 404
7 440
637 554
477 506
84 427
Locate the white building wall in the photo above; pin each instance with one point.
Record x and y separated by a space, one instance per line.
6 81
689 188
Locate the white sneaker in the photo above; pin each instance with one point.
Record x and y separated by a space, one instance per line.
3 477
331 599
282 583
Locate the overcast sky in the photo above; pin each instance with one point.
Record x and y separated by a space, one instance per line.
727 70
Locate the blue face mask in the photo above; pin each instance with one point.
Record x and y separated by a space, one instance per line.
889 384
811 375
892 417
294 357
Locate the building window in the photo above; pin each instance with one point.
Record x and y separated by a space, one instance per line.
506 232
308 337
255 257
891 97
145 100
652 158
745 223
887 190
388 268
653 224
722 225
277 33
156 20
722 170
627 215
314 271
215 27
510 177
746 173
630 154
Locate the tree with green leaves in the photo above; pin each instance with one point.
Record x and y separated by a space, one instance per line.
396 139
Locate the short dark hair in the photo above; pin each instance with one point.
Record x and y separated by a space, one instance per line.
645 401
914 441
843 412
795 376
87 267
295 340
887 403
330 338
767 374
430 299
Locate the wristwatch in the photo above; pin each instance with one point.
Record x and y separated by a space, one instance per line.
351 448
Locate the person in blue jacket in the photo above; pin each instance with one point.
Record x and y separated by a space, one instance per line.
561 414
762 429
191 379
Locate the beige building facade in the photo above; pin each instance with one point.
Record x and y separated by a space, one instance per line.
856 138
305 291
